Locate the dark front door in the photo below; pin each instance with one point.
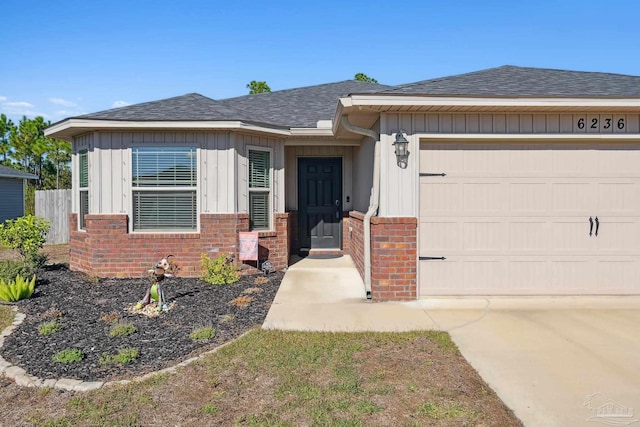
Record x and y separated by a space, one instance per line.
320 202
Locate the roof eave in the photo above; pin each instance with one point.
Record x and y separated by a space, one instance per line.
69 128
396 102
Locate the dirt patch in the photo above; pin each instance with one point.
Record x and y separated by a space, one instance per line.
56 254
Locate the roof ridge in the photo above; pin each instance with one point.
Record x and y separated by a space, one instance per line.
443 78
305 87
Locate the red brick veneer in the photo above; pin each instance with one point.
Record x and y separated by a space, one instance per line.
393 256
107 249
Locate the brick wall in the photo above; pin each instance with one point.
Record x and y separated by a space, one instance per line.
393 256
107 249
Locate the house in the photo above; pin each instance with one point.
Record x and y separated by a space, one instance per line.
12 188
506 181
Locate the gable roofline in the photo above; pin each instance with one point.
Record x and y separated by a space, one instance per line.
9 172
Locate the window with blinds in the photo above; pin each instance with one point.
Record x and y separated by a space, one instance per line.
83 184
164 184
259 189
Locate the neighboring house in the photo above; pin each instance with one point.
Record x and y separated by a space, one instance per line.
12 188
518 181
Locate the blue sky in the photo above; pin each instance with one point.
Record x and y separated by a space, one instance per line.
63 58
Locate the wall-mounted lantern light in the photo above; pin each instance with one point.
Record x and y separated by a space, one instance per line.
402 150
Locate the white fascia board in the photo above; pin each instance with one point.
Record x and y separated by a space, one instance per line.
311 132
70 124
622 137
399 100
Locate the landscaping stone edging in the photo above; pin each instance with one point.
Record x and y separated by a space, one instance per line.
22 378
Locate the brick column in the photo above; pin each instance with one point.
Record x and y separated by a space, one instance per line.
393 258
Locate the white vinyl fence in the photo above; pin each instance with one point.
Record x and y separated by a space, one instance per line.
55 206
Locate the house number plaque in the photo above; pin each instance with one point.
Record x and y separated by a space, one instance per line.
598 123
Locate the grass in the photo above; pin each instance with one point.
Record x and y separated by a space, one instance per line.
6 317
48 328
276 378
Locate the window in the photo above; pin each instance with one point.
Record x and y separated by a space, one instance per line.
83 185
259 189
164 184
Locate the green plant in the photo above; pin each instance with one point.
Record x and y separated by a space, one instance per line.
210 409
15 290
124 356
27 235
69 355
10 269
48 328
203 333
219 271
122 329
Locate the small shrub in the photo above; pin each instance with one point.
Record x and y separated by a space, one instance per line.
27 234
219 271
52 312
241 301
10 269
68 356
124 356
15 290
122 329
112 317
260 280
202 334
48 328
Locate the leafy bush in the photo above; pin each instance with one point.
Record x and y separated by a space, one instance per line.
48 328
219 271
202 334
10 269
68 356
15 290
122 329
125 355
27 235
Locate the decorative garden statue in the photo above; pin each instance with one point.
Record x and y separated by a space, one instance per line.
163 268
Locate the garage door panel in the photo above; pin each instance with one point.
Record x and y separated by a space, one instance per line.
529 197
514 219
484 197
573 198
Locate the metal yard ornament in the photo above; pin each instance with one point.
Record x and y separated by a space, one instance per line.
163 268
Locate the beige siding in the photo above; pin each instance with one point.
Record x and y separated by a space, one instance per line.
292 155
243 143
398 189
363 175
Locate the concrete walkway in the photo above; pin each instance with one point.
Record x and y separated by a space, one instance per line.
564 361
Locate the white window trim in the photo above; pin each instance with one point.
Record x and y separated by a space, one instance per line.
132 189
261 190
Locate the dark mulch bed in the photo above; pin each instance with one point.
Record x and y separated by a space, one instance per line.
162 341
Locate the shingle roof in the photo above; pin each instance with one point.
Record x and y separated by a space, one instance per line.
7 172
189 107
300 107
522 81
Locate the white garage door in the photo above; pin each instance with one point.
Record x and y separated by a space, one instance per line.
515 219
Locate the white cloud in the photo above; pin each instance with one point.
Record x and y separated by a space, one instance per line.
3 98
63 102
118 104
18 104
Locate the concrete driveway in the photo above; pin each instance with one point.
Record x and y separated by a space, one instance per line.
554 361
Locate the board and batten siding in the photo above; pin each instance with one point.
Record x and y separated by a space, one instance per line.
399 187
294 152
80 143
110 169
12 190
243 144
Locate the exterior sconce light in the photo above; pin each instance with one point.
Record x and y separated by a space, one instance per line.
402 150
